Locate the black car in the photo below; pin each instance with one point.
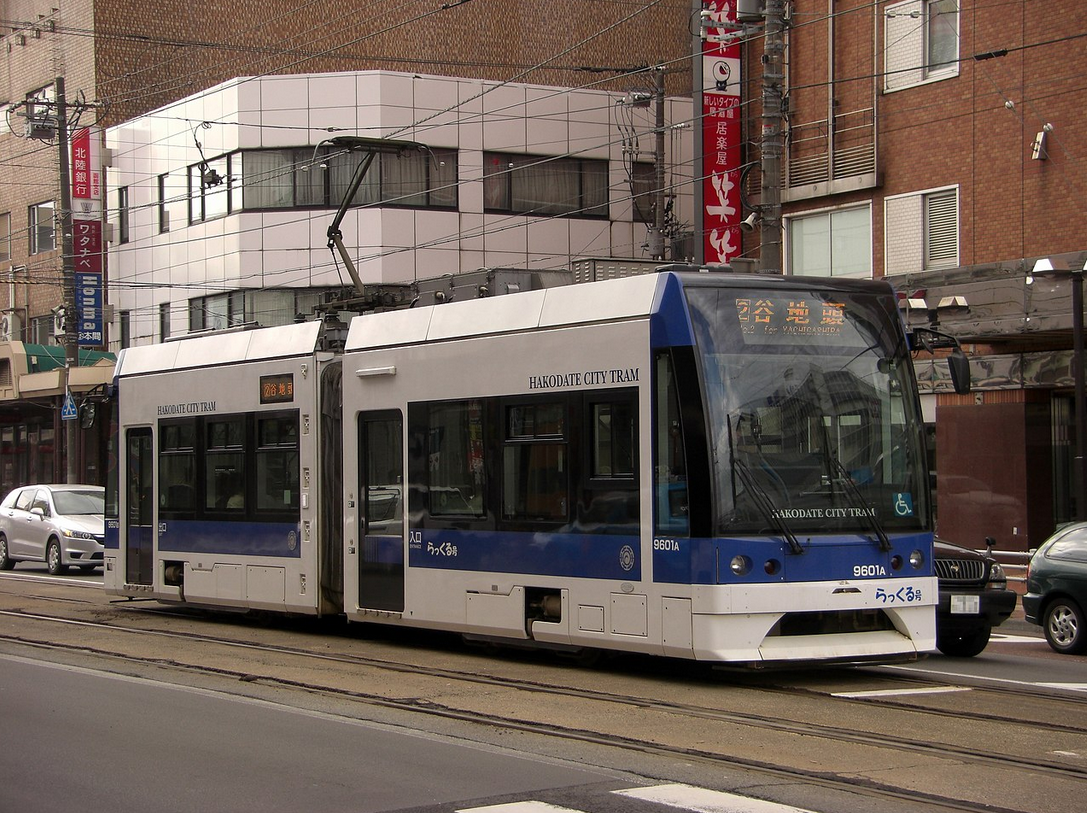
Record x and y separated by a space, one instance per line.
1056 594
974 598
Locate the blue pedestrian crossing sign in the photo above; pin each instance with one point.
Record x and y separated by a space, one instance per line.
68 412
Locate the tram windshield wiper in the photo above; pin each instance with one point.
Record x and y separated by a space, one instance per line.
765 505
856 499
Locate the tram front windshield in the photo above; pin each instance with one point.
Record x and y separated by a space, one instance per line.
812 411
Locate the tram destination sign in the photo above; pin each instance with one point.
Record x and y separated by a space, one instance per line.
277 389
784 319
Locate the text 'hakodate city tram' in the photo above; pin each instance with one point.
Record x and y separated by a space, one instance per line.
701 465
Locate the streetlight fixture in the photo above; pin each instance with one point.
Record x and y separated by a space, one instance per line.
1047 266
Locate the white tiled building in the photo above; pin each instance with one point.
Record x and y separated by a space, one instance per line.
220 203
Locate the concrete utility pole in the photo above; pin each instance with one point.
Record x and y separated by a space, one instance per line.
67 251
772 146
656 239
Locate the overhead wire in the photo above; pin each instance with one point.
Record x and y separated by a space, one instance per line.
696 114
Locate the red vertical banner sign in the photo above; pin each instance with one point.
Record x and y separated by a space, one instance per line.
721 132
87 235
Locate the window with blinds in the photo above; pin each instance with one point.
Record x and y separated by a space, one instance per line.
941 227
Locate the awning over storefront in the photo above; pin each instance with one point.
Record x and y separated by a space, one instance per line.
37 371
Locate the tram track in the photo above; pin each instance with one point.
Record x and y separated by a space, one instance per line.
764 682
731 717
416 705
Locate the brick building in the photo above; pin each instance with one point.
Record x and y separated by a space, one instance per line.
939 143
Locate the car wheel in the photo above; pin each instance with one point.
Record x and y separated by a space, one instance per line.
52 558
1064 627
6 563
964 644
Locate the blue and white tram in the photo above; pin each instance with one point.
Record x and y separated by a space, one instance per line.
712 466
226 490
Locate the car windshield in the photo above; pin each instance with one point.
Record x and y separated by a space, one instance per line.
79 502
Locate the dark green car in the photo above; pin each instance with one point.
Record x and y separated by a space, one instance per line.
1057 589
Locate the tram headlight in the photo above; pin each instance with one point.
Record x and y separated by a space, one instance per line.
896 562
917 560
740 565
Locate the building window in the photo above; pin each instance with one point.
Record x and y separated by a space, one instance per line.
831 244
922 231
163 212
126 328
295 178
941 35
921 42
210 186
216 312
122 214
643 180
41 330
267 308
164 321
5 236
535 185
42 228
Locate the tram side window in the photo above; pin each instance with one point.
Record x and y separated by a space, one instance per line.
608 495
535 472
277 463
670 464
614 429
224 465
177 467
455 460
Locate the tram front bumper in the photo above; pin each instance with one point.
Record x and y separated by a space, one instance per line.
855 620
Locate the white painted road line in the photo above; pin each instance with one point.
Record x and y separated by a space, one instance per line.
519 807
701 800
901 692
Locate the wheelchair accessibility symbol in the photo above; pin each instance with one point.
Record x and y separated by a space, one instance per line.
903 504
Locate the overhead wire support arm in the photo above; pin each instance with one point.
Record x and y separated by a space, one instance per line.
371 146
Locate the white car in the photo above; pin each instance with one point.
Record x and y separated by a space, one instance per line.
61 525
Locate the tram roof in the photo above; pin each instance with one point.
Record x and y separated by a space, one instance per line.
584 303
221 348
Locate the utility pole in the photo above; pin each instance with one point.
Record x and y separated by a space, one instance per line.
71 349
656 239
772 147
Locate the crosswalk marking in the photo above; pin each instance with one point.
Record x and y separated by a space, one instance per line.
519 807
898 692
702 800
1068 687
1007 638
683 797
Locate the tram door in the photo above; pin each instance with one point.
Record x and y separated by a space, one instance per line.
139 518
381 475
